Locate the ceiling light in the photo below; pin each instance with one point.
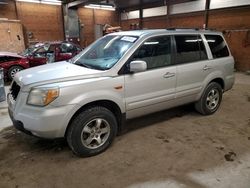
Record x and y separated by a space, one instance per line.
50 2
101 6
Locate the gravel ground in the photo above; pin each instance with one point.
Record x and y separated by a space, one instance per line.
176 148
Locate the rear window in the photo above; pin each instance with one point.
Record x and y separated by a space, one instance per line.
217 46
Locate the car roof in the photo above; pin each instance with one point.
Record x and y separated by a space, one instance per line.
166 31
11 54
54 43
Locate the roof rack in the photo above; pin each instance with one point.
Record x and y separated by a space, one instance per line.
189 28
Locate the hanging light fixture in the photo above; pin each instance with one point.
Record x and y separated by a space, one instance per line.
103 6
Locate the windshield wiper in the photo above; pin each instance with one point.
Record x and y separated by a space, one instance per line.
83 65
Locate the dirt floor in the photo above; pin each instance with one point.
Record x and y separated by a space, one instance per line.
176 148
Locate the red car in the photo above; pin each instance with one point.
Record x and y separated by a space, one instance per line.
49 52
38 54
12 63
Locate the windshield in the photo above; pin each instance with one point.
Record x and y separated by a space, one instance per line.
28 51
35 48
105 53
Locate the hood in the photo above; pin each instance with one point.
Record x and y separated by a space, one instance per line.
10 54
58 71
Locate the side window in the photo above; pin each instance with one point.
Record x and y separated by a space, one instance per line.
217 45
41 52
189 48
66 48
52 49
156 52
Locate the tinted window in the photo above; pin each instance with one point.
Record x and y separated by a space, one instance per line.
189 48
217 45
156 52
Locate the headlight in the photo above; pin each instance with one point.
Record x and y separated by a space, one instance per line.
42 96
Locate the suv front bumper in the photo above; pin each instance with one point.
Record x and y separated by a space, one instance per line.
45 122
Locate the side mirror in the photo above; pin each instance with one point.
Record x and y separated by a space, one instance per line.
137 66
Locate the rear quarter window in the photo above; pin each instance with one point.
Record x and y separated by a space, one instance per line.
217 46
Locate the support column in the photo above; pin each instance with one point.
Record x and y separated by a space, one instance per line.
141 15
206 14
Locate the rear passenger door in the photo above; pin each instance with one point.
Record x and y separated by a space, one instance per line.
192 66
153 89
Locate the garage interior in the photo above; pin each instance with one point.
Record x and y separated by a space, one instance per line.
176 148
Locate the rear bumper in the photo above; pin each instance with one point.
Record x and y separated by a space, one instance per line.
229 82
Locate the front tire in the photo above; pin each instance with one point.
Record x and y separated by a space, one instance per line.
210 99
13 70
92 131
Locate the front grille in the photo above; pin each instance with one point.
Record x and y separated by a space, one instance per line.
14 90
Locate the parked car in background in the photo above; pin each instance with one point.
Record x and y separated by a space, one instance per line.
12 63
49 52
35 55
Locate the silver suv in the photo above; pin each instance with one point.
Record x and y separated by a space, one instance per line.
121 76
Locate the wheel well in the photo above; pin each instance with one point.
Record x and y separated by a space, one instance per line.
110 105
219 81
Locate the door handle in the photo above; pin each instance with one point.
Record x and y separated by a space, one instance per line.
206 67
168 75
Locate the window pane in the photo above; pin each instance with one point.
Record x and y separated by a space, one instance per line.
217 45
66 48
190 48
156 52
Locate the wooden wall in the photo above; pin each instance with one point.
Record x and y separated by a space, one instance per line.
235 21
8 11
44 21
11 39
90 17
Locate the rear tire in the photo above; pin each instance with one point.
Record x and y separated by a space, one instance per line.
92 131
13 70
210 99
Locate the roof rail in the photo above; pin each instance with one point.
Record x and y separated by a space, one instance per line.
210 29
183 28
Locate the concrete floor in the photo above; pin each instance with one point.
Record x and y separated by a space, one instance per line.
176 148
4 116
